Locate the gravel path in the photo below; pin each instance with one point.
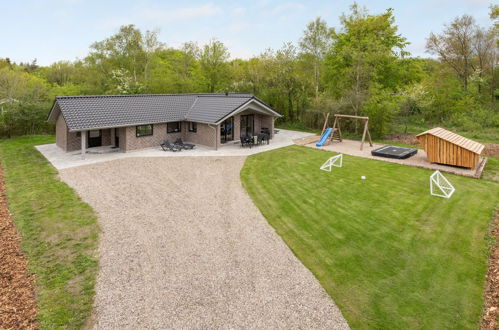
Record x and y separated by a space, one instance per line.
183 246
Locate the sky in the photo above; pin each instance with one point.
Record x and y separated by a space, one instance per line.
54 30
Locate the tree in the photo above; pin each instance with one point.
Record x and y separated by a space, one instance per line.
316 42
214 66
129 51
455 46
176 71
366 54
23 103
60 73
284 80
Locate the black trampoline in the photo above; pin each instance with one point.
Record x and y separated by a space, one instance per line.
394 152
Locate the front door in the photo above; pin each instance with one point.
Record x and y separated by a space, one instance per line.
227 130
247 125
94 138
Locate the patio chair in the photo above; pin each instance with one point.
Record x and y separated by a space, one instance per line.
167 146
246 141
183 145
266 138
260 138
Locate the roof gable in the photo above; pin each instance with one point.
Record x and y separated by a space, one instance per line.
209 109
105 111
454 138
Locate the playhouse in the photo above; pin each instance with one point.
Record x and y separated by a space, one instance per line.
445 147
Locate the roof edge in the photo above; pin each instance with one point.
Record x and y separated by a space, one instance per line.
144 95
253 99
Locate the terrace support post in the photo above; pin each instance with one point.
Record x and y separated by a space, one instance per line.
83 144
216 135
113 137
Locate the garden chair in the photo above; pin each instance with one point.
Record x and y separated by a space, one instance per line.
246 141
183 145
266 138
260 139
167 146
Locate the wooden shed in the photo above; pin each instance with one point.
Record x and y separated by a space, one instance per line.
445 147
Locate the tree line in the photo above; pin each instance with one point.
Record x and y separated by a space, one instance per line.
361 68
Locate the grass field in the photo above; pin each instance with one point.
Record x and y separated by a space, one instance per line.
391 255
59 233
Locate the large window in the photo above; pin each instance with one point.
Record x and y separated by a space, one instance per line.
143 130
193 127
247 125
173 127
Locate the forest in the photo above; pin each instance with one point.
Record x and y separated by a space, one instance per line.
360 68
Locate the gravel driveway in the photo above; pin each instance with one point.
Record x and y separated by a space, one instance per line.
183 246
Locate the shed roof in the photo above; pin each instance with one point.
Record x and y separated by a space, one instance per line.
456 139
105 111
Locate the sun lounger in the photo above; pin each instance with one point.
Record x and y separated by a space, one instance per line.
167 146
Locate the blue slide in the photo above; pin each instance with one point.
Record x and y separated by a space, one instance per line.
324 137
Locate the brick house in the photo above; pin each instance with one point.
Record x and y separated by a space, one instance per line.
132 122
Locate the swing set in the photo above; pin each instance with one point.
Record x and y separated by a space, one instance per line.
336 130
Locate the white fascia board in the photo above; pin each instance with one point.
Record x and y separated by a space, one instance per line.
245 107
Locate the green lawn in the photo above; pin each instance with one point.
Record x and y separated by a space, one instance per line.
391 255
59 233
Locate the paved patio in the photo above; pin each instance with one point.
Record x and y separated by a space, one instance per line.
352 148
62 160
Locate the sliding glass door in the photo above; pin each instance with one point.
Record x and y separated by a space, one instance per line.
227 130
247 124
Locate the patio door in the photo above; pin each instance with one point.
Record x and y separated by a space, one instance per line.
94 138
227 130
247 124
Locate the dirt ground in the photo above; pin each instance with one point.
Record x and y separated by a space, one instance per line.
17 291
183 246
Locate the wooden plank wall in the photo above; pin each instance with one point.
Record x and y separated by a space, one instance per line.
444 152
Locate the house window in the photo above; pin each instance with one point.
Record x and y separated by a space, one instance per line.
143 130
173 127
193 127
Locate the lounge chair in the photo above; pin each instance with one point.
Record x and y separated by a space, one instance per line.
183 145
167 146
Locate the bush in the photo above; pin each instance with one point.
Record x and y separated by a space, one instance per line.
381 109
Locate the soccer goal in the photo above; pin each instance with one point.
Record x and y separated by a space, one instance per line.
440 186
336 161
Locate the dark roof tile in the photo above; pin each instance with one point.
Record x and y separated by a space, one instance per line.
103 111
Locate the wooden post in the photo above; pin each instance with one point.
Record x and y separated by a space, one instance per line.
336 128
339 131
369 134
364 135
325 122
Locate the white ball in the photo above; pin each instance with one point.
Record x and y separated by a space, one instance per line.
363 177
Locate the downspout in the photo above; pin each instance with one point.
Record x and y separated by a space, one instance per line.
215 131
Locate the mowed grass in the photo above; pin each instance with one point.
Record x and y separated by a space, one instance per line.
389 254
59 233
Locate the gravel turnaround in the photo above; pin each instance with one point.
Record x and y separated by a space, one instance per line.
183 246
